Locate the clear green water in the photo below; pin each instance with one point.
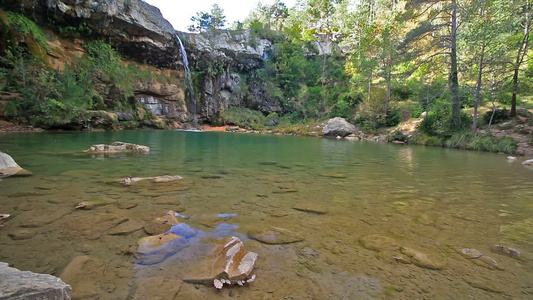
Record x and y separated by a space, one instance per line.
430 199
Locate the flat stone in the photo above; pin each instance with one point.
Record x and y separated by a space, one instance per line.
275 236
93 203
22 234
8 167
126 204
333 175
162 224
155 288
379 243
470 253
86 276
16 284
35 219
126 228
155 249
311 208
420 259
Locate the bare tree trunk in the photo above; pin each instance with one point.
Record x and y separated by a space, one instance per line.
454 77
520 58
478 85
388 89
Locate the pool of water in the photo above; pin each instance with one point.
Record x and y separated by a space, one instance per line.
379 199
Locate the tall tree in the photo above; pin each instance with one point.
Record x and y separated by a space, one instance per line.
522 45
203 21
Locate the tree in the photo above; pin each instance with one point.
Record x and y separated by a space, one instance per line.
203 21
522 36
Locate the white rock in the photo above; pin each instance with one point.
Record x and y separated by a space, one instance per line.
528 162
218 284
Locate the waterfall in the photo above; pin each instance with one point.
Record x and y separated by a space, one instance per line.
188 80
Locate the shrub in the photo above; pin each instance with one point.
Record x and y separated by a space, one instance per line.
368 123
500 115
397 136
393 118
439 123
482 142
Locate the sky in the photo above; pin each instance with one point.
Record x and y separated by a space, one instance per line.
179 13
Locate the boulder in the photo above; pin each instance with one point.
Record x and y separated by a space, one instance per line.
16 284
8 167
124 116
338 127
118 147
229 263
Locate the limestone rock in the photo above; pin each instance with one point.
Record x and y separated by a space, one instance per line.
155 249
16 284
8 167
118 147
338 127
22 234
511 252
162 224
229 263
420 259
155 179
528 162
155 288
91 204
311 208
379 243
126 228
275 236
87 276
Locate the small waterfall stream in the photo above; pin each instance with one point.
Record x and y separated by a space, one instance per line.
188 79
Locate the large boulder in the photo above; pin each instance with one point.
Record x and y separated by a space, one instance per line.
8 167
338 127
118 147
16 284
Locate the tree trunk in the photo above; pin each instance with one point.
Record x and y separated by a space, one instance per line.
388 88
520 58
454 77
478 85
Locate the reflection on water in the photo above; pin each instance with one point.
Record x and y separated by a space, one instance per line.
422 205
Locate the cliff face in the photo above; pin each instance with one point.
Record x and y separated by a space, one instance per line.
224 62
137 29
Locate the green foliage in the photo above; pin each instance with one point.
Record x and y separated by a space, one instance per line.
426 140
500 115
203 21
369 123
242 117
397 136
482 142
439 123
26 26
75 31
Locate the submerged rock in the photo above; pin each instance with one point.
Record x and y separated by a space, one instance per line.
275 236
379 243
118 147
16 284
511 252
420 259
162 224
229 264
528 162
479 258
8 167
311 208
155 249
92 204
338 127
155 179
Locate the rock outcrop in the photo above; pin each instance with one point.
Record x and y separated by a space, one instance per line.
16 284
8 167
118 147
136 28
338 127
